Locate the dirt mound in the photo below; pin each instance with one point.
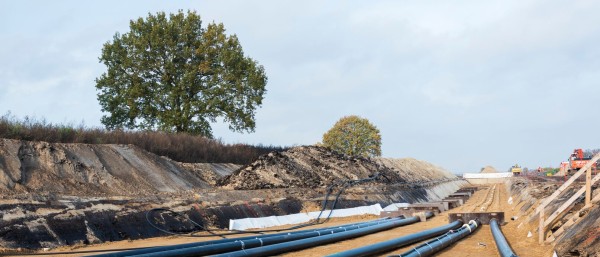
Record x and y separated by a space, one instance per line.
488 169
415 170
314 166
82 169
304 167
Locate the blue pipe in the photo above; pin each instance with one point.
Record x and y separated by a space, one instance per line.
396 243
227 240
433 246
320 240
501 243
256 242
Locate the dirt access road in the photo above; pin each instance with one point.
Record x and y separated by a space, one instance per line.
480 243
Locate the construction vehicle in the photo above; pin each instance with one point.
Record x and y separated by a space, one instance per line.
578 160
516 170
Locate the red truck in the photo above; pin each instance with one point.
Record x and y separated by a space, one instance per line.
578 160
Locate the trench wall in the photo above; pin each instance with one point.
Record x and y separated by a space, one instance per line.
48 224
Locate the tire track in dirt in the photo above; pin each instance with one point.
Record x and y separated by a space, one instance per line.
496 205
488 201
477 200
481 242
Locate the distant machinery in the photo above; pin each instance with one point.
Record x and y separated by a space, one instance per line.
516 170
577 160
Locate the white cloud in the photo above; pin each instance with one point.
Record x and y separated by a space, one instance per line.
438 78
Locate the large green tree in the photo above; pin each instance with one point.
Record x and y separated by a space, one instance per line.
169 73
353 135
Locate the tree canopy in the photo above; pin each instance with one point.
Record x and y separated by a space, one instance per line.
353 135
169 73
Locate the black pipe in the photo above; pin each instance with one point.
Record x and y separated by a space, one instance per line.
227 240
252 243
433 246
501 243
255 242
396 243
320 240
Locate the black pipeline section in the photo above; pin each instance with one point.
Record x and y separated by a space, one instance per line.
321 240
257 242
433 246
396 243
153 250
501 243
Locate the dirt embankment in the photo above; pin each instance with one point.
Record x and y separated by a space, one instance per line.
313 167
125 170
97 170
302 167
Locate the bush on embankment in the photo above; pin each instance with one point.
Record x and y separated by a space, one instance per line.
180 147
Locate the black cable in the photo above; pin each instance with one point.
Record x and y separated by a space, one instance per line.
317 221
148 213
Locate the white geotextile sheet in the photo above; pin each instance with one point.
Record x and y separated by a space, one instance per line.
488 175
374 209
395 206
265 222
272 221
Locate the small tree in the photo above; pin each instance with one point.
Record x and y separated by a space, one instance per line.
353 135
171 74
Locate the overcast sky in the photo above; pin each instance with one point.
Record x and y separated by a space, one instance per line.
461 84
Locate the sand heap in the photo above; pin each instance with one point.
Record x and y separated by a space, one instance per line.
411 169
488 169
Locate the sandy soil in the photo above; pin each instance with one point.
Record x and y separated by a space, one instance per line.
480 243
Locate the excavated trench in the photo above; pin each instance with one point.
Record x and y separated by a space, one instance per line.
71 194
48 224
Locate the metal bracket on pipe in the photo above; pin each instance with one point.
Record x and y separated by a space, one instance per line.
484 217
421 216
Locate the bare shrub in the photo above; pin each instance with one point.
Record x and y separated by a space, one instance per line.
180 147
